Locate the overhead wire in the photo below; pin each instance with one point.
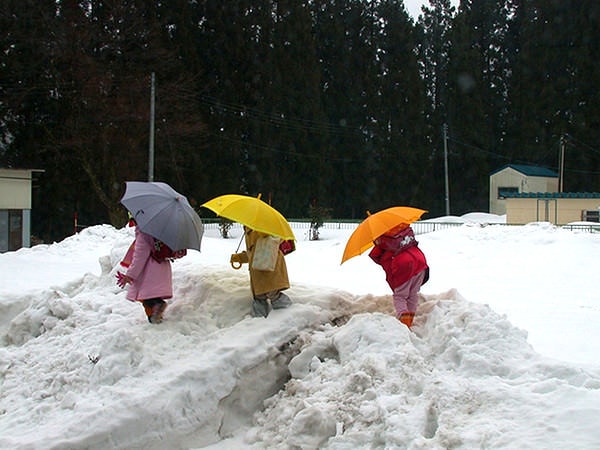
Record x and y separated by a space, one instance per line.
280 120
500 156
285 152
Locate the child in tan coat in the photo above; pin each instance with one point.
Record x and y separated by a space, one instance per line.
266 285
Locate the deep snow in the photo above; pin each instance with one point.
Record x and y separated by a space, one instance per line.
503 353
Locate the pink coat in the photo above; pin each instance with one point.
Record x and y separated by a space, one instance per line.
399 256
151 279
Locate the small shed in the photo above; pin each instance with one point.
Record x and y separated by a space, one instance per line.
558 208
516 179
15 208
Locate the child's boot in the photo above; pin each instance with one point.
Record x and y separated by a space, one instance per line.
157 311
148 304
282 301
154 308
260 307
407 318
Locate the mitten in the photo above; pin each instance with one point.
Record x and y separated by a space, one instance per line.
237 259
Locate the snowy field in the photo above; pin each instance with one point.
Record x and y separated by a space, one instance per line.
503 354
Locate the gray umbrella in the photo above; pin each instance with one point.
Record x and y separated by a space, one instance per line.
163 213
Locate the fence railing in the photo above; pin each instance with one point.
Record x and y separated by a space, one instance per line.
304 224
590 228
418 227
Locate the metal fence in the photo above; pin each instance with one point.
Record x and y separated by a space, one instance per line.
420 227
589 228
304 224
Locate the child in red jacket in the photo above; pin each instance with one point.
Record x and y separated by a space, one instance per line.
405 269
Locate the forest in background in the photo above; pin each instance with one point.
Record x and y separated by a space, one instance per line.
336 103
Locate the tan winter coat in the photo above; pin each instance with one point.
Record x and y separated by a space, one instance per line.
262 281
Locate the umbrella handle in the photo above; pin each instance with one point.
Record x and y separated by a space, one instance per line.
239 264
240 243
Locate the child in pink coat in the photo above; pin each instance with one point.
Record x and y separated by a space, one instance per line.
150 281
405 269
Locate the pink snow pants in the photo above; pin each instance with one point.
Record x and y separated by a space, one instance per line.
406 296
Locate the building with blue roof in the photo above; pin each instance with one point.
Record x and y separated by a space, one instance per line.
518 179
531 194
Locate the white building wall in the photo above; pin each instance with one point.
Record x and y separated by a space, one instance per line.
510 177
15 189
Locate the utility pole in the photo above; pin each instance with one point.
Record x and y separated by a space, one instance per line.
561 162
445 128
151 143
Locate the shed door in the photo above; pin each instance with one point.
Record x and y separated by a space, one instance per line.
547 210
3 230
11 229
15 237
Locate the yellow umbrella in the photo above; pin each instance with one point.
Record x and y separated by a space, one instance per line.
252 212
377 224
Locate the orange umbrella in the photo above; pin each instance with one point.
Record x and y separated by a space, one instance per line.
377 224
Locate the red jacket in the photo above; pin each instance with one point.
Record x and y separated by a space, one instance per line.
399 256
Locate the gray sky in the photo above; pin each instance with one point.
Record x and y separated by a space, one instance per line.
414 6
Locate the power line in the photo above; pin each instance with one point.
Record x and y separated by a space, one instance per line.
571 139
506 158
280 120
284 152
277 119
479 149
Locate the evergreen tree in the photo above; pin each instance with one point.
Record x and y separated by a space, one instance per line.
478 76
338 103
397 109
554 87
433 48
343 30
97 57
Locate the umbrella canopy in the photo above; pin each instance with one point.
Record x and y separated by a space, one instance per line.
252 212
164 214
377 224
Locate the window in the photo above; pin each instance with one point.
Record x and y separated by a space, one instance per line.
590 216
502 191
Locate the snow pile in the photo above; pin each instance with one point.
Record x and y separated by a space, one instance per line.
80 367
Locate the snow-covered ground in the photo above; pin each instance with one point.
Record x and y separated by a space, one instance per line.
504 353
